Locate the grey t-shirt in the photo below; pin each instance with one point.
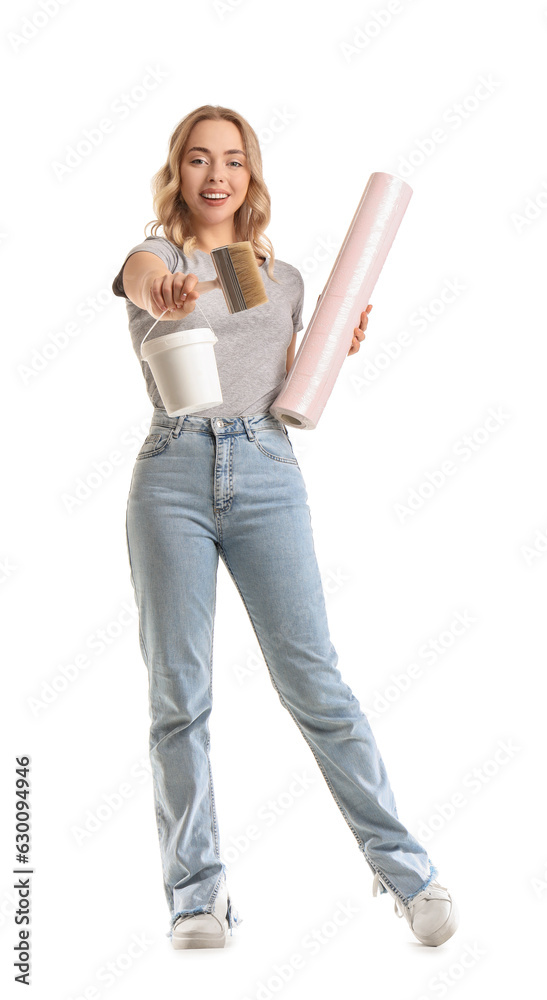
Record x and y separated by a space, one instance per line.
251 350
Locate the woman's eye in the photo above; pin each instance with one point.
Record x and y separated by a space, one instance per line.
199 159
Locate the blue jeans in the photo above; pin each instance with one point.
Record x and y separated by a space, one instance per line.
204 487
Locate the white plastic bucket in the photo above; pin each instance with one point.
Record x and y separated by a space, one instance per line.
184 368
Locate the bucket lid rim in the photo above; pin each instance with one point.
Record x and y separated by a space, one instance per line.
178 338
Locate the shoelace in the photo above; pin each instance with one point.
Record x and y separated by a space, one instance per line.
377 881
433 891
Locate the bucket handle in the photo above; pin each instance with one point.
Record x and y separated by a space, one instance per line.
163 314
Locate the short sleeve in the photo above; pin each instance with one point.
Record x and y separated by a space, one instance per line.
152 244
299 305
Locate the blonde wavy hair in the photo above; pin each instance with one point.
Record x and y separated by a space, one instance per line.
172 212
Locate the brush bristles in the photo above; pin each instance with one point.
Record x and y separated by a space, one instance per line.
244 272
248 274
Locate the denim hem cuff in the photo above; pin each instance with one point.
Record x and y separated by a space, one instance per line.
433 872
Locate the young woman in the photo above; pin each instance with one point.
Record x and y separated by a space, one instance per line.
226 483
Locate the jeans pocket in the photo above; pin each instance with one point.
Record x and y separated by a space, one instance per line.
154 443
275 444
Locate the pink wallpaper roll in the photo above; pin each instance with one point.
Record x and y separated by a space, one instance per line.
328 337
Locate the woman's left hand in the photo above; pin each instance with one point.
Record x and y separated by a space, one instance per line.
359 332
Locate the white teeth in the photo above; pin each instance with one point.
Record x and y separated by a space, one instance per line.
212 196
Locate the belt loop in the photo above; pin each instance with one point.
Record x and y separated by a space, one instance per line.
248 428
179 423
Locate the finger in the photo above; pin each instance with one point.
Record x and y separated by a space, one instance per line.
156 296
190 283
179 295
355 345
167 291
189 294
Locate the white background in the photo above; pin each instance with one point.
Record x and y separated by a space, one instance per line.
450 96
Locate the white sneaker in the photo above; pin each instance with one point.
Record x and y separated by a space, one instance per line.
205 930
432 914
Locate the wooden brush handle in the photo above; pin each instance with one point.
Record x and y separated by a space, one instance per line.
206 286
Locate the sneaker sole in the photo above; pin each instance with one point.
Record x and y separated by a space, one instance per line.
199 940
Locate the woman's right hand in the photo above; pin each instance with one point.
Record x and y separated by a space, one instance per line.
174 292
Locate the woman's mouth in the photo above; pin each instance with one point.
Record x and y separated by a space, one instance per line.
215 199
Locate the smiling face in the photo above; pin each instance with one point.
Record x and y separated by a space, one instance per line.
218 165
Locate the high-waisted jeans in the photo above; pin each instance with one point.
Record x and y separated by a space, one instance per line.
232 487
